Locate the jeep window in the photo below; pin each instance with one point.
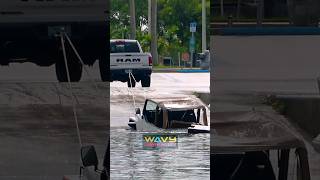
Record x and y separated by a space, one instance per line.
285 164
150 111
124 47
249 166
181 119
158 121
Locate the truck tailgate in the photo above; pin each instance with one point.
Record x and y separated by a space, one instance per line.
22 11
129 60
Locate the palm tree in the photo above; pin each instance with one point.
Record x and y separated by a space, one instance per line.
132 19
221 8
260 12
238 8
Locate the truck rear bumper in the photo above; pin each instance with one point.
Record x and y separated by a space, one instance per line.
36 41
123 74
44 30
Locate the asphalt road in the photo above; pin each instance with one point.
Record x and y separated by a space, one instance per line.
38 134
249 67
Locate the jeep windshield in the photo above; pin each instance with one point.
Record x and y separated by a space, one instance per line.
185 118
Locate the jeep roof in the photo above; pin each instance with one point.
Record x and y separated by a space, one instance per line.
251 131
178 103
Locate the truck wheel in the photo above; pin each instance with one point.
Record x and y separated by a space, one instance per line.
146 82
104 73
133 82
74 67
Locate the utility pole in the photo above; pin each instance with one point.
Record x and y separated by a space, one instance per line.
260 12
149 17
154 38
221 8
238 9
132 20
204 26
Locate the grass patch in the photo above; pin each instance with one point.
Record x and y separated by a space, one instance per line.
164 67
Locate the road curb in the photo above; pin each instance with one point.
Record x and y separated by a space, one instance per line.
193 71
172 70
247 31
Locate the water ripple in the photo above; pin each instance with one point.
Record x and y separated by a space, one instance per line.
191 160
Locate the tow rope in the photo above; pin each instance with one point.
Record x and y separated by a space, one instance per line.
129 91
74 108
81 61
63 35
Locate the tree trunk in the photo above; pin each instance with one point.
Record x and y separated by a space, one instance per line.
149 16
154 37
260 12
238 9
221 8
132 20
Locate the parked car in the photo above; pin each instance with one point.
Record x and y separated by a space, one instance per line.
128 63
252 146
159 114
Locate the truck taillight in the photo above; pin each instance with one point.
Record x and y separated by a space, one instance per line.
150 61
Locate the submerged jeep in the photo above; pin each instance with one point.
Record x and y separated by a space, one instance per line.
184 113
253 146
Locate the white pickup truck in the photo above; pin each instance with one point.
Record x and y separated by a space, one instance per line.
127 59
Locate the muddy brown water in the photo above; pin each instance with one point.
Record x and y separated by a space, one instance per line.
129 160
38 135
